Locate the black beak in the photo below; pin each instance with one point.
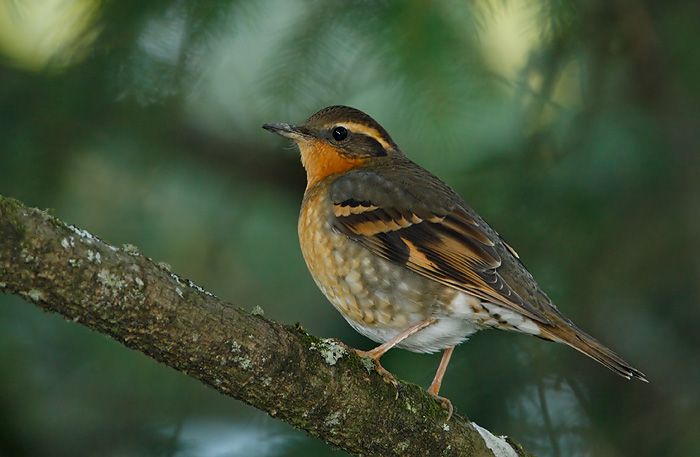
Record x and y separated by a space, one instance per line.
286 130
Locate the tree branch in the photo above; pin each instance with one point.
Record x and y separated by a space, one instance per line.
313 384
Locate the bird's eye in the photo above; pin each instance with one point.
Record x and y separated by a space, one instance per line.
339 133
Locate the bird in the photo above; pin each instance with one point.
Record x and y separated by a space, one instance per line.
402 256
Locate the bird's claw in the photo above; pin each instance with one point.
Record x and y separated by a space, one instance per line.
445 403
388 377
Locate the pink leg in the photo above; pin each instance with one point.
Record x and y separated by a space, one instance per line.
437 382
379 351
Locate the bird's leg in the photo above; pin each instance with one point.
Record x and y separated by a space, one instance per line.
437 382
379 351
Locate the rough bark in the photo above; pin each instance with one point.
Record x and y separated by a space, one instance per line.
310 383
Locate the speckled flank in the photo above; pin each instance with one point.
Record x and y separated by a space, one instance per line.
380 300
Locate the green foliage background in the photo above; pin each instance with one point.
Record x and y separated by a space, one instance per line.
143 127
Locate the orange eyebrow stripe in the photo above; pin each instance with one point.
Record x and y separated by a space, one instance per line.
369 131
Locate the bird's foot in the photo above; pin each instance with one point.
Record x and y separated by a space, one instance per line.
371 358
444 402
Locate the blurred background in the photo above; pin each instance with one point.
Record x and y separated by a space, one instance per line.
572 127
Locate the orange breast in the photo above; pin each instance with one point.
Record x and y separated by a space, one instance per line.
320 159
361 285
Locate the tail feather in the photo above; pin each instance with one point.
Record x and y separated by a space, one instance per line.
571 335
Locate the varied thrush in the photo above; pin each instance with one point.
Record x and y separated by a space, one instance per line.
403 258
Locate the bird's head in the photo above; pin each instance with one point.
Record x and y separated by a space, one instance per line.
337 139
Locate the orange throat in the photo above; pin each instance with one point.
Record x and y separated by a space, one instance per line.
320 160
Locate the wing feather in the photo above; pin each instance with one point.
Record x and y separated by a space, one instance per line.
446 244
